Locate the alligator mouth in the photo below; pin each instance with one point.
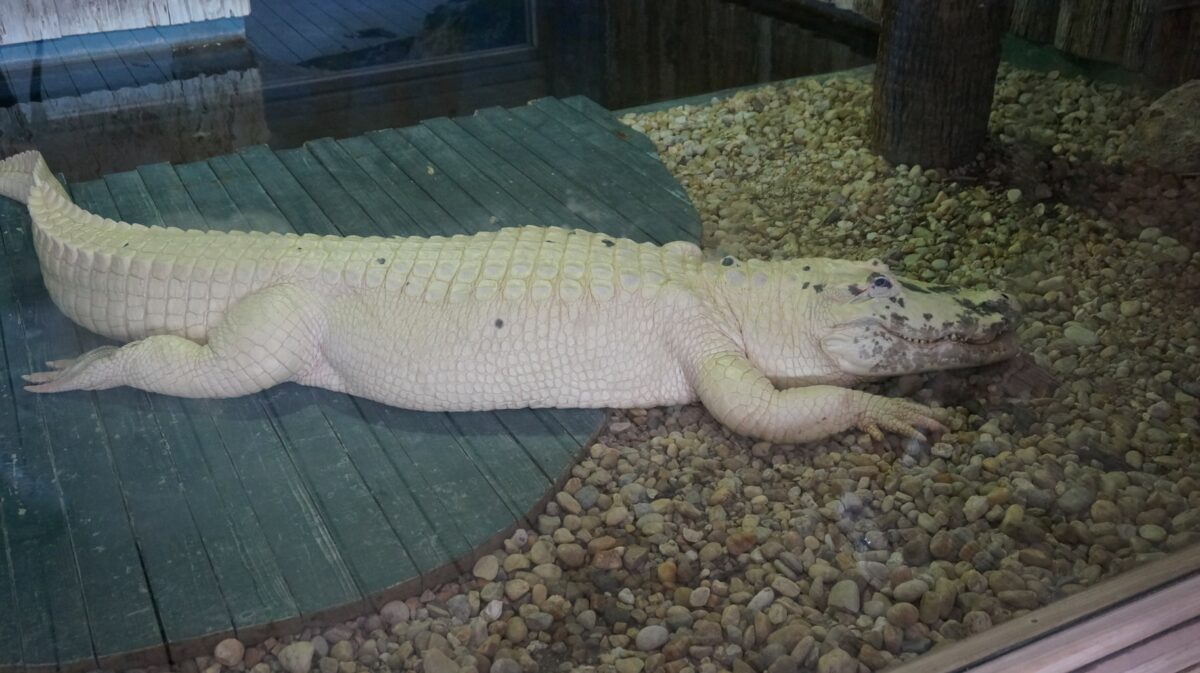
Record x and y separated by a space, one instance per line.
950 338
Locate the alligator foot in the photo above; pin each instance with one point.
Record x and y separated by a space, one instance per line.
900 416
81 373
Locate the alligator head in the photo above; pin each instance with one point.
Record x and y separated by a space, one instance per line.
878 324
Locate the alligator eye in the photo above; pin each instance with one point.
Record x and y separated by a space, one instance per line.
882 282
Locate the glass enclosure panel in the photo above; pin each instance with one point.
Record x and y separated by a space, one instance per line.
859 328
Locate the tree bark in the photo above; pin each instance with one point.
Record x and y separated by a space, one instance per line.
1035 20
935 73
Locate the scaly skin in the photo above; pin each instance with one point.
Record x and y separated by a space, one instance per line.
522 317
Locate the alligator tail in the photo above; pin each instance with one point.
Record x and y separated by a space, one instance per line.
20 172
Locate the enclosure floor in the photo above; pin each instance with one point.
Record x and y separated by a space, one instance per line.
137 528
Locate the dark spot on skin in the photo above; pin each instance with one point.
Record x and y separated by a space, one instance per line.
804 286
727 261
892 300
900 300
928 317
854 289
300 248
808 268
125 244
499 323
966 303
381 260
818 288
608 243
993 306
899 317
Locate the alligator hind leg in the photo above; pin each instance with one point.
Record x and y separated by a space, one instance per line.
267 337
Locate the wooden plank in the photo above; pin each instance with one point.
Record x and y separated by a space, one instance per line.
302 544
210 198
639 202
424 211
389 217
515 472
581 424
547 444
430 545
646 165
303 41
365 537
604 118
1175 650
144 67
1081 628
339 207
250 578
352 21
471 216
304 549
314 29
252 201
470 179
649 187
263 23
56 81
395 17
170 196
265 44
289 196
543 205
108 64
104 545
598 215
47 600
11 657
188 601
83 73
448 481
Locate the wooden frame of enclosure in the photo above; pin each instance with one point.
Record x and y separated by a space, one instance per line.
1145 620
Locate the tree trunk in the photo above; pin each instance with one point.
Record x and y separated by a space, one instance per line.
934 76
1035 20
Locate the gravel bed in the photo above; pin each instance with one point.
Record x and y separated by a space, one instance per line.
677 546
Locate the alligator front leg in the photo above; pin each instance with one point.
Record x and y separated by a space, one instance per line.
267 337
740 396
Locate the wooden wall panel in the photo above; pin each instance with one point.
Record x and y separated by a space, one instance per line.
30 20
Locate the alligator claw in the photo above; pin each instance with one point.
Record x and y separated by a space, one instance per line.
902 417
68 374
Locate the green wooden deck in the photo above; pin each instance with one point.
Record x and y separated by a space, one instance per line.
137 528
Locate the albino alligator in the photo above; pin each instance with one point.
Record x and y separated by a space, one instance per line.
522 317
